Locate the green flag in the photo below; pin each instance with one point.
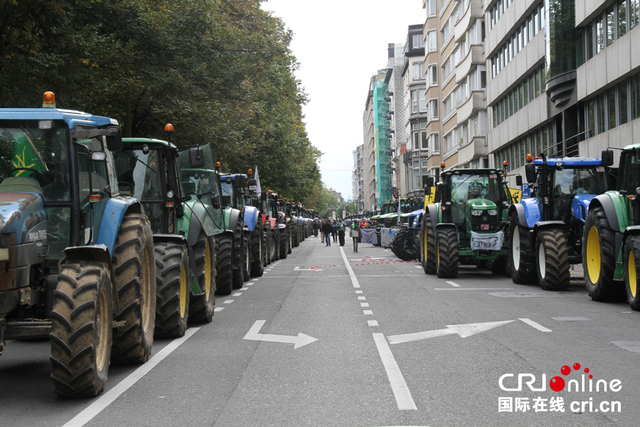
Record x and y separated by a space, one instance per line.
26 156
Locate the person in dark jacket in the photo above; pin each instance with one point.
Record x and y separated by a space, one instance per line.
326 229
341 232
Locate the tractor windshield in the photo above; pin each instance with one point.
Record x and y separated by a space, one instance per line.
467 186
37 152
568 182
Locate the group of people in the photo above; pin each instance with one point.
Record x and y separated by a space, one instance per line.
336 231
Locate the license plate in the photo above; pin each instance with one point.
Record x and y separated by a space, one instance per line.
484 227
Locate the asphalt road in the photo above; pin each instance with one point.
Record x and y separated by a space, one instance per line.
380 344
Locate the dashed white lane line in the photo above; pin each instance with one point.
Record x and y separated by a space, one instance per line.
237 294
454 284
109 397
352 276
372 323
571 319
536 325
398 384
364 304
218 309
229 301
367 312
362 298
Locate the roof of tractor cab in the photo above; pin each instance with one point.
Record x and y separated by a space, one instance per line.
570 161
632 147
483 171
71 117
137 143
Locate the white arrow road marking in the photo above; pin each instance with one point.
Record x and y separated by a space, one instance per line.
299 341
297 268
463 330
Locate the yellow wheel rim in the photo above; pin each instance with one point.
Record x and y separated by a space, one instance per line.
593 255
207 270
183 291
633 280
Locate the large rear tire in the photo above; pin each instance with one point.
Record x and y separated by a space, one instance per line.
258 252
427 245
631 263
224 267
284 243
202 305
238 259
172 295
447 253
135 280
402 245
599 259
81 329
553 267
521 264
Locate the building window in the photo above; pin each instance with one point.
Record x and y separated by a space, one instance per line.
417 41
433 41
434 141
433 109
433 75
418 71
431 7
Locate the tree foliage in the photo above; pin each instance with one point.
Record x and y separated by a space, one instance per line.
221 71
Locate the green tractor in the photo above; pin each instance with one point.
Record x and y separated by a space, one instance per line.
467 223
201 184
611 239
183 233
76 257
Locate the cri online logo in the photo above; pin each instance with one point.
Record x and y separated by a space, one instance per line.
558 383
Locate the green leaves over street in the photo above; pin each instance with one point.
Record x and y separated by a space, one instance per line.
221 71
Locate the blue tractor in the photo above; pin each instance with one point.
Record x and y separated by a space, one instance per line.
77 259
545 231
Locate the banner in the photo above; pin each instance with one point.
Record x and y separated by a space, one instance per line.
26 156
486 241
369 236
258 189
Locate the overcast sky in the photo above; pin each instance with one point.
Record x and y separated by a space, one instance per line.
340 44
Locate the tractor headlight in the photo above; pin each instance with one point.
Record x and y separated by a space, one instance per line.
4 254
476 212
493 212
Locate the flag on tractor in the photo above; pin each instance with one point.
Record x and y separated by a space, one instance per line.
26 156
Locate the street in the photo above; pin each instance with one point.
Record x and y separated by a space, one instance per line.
330 337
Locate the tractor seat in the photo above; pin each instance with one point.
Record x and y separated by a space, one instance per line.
20 184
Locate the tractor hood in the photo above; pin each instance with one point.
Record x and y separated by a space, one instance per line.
19 213
482 204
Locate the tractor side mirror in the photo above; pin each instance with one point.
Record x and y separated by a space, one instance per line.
215 203
530 172
607 157
196 157
518 180
114 138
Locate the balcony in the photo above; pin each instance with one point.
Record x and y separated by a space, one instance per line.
475 56
473 12
473 104
473 151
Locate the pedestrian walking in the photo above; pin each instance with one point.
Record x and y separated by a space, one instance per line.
334 231
355 234
341 232
316 227
326 229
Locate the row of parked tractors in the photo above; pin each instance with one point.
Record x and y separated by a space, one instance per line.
107 242
579 211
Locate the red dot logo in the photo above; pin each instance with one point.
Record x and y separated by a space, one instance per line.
576 366
565 370
556 384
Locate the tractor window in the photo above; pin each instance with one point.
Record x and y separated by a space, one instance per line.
627 161
569 182
227 193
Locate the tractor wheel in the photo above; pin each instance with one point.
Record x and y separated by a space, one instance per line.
173 289
427 245
402 245
265 239
599 259
257 253
275 244
284 243
204 269
447 253
135 280
238 261
295 233
552 248
224 268
246 260
521 264
631 263
81 329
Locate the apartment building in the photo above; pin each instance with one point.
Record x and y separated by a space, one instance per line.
357 180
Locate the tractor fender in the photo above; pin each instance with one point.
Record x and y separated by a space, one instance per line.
434 214
519 211
234 216
614 210
251 217
412 217
580 206
114 210
195 227
532 210
632 230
